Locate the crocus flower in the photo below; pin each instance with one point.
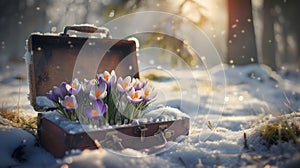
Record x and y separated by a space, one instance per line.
74 87
55 94
98 91
70 102
109 78
87 85
97 112
63 89
124 85
148 93
137 84
57 91
134 96
51 96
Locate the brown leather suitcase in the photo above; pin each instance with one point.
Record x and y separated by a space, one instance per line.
55 58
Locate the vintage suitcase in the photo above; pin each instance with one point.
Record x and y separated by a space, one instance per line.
55 58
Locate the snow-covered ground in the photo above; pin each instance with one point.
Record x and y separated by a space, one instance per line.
232 100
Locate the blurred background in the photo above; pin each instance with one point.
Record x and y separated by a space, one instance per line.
243 32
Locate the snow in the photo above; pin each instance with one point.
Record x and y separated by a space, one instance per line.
19 149
44 103
103 158
153 114
165 113
233 100
27 57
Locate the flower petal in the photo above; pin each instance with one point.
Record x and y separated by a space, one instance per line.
92 113
100 107
70 102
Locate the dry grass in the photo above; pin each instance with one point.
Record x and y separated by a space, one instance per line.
14 117
280 131
19 120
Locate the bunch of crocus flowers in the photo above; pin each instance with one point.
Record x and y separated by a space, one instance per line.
103 100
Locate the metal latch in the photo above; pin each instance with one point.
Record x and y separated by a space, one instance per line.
112 141
164 133
141 132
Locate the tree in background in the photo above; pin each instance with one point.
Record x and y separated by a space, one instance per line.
173 26
281 35
241 36
280 42
268 39
287 34
19 18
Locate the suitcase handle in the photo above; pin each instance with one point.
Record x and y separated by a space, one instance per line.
86 28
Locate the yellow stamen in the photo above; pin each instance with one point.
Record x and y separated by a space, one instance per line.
124 85
146 94
73 85
98 93
69 104
134 96
106 77
94 113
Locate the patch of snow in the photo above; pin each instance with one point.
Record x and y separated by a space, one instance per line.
247 74
249 94
27 57
44 102
19 149
165 113
105 158
156 115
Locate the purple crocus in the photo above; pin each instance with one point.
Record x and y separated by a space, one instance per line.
87 85
51 96
97 112
70 103
138 85
148 93
74 88
56 90
109 78
134 96
98 91
54 94
124 85
63 89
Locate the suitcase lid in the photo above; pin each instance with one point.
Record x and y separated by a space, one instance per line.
60 57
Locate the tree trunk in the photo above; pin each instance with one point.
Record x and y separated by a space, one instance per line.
268 41
241 36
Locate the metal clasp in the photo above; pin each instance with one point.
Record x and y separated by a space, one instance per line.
112 141
164 133
141 132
